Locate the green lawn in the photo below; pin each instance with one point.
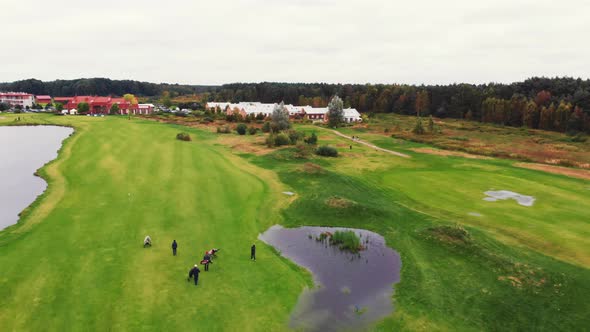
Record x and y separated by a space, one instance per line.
83 266
75 262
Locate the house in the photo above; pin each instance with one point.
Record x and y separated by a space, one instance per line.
352 115
43 100
24 100
317 113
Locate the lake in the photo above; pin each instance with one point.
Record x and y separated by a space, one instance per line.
354 289
23 150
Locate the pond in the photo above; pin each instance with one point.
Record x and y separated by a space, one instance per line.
353 289
23 150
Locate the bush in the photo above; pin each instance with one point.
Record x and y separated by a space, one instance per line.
282 139
207 119
252 130
312 140
241 129
295 136
183 137
223 130
266 127
277 140
327 151
418 128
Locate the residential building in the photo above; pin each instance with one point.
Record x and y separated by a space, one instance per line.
43 100
102 105
21 99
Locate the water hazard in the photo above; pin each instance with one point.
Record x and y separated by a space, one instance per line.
354 290
23 150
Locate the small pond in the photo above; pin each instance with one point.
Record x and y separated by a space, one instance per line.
353 290
23 150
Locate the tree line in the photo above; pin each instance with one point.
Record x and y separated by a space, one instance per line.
100 87
558 104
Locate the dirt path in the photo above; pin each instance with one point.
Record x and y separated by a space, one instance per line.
399 154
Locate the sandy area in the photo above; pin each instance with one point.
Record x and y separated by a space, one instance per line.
572 172
448 153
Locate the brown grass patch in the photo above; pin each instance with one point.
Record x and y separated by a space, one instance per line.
311 168
244 145
571 172
339 202
448 153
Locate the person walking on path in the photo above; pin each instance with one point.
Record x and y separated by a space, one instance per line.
253 252
194 273
174 246
206 261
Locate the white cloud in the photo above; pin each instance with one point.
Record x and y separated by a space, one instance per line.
295 41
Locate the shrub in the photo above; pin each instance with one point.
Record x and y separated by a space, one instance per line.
183 137
311 140
295 136
282 139
241 129
266 127
252 130
327 151
223 130
207 119
347 240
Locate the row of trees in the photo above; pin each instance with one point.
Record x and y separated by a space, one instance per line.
101 87
515 104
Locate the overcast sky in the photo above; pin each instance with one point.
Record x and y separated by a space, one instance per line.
346 41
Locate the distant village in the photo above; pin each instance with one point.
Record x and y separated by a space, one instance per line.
104 105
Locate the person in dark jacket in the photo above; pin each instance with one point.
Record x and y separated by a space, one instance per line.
194 273
174 246
253 252
206 261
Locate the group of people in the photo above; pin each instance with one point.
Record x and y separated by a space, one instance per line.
207 258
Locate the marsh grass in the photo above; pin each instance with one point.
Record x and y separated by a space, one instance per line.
347 240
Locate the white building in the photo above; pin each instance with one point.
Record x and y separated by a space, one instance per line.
17 99
316 114
352 115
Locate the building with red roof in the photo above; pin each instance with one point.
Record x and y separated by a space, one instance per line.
102 105
43 100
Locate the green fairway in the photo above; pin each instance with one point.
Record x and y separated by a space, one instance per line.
83 266
75 261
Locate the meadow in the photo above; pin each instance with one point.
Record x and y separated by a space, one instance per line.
75 259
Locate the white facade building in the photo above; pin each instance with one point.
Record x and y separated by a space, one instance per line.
17 99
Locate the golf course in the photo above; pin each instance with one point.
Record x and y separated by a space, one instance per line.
75 260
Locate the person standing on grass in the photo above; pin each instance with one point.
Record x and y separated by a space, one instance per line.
147 241
206 261
194 273
253 252
174 246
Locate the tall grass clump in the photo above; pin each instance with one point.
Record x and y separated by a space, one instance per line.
347 240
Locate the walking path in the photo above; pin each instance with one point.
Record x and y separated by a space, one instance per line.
399 154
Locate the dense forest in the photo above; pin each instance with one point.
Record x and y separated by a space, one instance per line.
559 104
100 87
